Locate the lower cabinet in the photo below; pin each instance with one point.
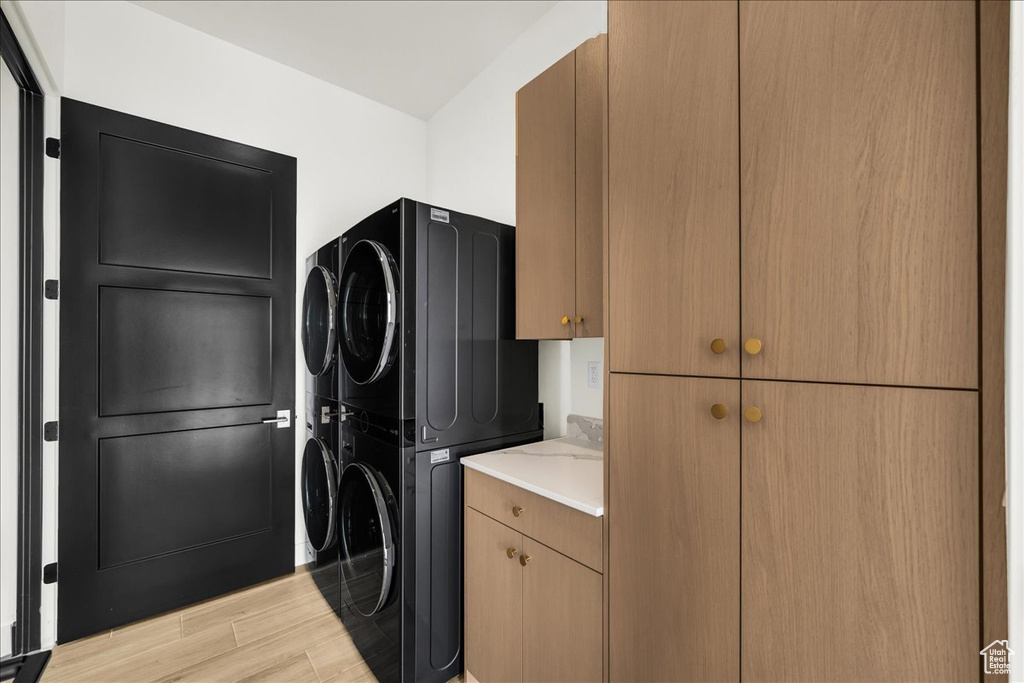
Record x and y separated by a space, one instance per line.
674 529
860 534
561 617
532 614
494 600
814 532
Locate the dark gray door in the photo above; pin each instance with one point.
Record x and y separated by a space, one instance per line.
177 341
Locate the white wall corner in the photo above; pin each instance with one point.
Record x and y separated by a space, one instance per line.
6 640
39 27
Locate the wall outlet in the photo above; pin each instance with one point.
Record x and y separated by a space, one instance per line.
593 374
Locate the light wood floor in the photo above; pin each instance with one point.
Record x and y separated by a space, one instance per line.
281 631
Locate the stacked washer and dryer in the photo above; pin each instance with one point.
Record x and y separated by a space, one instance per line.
409 338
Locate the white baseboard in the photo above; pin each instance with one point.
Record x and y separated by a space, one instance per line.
6 640
303 554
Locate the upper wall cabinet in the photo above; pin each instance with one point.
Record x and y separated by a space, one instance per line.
560 133
859 192
673 222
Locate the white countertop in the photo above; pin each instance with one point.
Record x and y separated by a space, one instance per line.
566 470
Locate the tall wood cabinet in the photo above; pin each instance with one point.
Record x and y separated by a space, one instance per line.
560 200
793 305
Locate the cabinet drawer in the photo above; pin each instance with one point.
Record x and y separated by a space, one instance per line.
558 526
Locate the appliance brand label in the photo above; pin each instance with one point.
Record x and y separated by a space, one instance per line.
439 456
439 215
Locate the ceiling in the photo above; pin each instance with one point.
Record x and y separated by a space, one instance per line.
412 55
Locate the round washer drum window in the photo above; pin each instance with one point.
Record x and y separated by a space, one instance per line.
369 309
319 309
365 538
319 487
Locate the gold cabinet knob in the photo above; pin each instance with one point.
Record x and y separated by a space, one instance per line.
718 346
565 320
511 552
517 511
719 411
753 346
579 319
524 560
753 414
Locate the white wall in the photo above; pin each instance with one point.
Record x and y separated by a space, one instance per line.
471 167
46 39
1015 347
46 28
10 183
354 155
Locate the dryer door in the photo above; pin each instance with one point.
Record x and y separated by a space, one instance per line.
319 312
319 493
366 542
369 311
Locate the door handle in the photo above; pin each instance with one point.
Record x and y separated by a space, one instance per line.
283 419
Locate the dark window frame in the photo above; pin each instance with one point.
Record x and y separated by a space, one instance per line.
27 627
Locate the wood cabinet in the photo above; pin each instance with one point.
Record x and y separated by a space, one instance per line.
859 191
674 529
561 617
804 176
860 534
532 613
673 209
493 600
560 199
569 531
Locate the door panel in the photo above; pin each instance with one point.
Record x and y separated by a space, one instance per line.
562 616
162 493
177 339
494 600
546 203
859 191
163 350
860 534
672 182
157 206
674 534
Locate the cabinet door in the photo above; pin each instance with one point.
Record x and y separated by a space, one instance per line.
674 534
561 618
860 534
859 191
591 115
673 204
546 203
493 599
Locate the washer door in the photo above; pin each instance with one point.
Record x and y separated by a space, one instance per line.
365 538
319 490
319 312
369 311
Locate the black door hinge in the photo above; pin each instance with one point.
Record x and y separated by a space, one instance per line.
50 573
51 289
53 148
49 431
